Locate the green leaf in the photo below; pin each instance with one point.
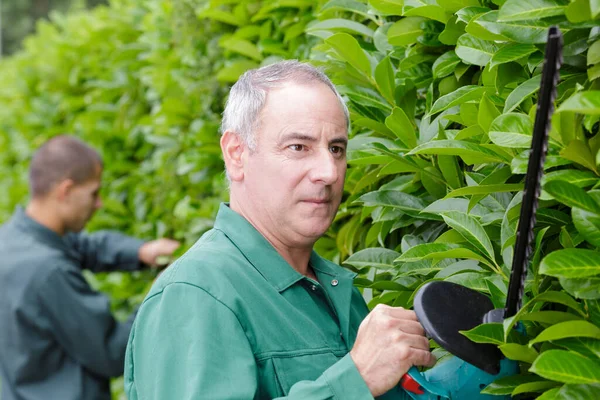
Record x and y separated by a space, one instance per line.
425 8
587 347
405 31
471 280
534 387
528 32
399 123
486 333
579 11
459 96
393 198
581 391
388 7
579 152
473 50
471 153
549 394
565 366
508 384
571 263
451 171
582 288
521 92
572 196
384 77
471 230
231 72
438 251
512 130
340 25
568 329
593 56
519 352
551 297
512 52
350 51
587 223
243 47
587 102
549 317
445 64
485 189
353 6
516 10
373 257
487 113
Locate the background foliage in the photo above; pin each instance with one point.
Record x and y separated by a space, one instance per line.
442 95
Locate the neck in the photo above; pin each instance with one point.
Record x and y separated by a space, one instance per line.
297 256
39 211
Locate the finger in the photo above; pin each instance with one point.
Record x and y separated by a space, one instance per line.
412 327
422 358
401 313
413 341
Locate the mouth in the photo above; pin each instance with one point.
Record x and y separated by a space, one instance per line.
317 201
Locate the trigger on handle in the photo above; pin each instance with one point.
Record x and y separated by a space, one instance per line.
415 380
411 385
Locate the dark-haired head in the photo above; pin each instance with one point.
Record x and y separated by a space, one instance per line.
64 179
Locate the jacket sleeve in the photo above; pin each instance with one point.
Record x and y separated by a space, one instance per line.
105 251
188 345
81 322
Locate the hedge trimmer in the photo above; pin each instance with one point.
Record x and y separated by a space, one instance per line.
444 308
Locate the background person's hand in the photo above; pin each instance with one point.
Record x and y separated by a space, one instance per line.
389 342
151 252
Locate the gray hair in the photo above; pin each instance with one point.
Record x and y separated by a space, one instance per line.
248 95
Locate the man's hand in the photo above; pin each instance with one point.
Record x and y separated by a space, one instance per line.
150 251
390 340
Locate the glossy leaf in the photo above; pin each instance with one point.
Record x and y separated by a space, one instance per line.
568 329
471 153
405 31
572 196
521 92
512 52
565 366
571 263
516 10
459 96
350 51
587 102
512 130
373 257
399 123
473 50
471 230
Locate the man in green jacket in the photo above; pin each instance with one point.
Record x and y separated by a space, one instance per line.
251 311
58 338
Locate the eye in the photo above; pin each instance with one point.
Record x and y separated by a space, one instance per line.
338 150
297 147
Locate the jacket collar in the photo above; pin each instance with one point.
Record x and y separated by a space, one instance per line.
263 256
27 224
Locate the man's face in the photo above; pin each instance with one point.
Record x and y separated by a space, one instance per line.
81 203
294 180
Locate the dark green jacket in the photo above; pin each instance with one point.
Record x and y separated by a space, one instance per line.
231 319
58 339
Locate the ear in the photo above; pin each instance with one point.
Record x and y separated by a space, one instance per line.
234 152
63 189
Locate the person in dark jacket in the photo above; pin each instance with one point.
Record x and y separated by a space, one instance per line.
58 338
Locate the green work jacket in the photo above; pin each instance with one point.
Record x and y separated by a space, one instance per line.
58 338
231 319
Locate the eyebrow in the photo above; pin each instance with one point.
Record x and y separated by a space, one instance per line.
308 138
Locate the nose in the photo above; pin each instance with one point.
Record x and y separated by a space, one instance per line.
98 204
325 169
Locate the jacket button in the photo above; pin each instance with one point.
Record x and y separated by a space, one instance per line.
334 282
